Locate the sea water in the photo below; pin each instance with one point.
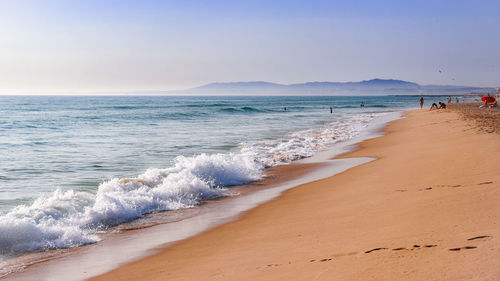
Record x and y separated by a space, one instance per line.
73 167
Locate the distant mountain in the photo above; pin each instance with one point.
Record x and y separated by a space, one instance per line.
366 87
231 86
374 82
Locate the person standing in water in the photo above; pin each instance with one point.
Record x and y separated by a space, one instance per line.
331 110
421 102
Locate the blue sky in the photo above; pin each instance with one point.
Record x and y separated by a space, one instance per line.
87 46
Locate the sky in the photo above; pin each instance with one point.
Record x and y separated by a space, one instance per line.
49 46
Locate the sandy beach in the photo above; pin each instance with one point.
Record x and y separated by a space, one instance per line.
426 209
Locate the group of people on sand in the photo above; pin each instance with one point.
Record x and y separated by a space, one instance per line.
489 101
435 106
441 105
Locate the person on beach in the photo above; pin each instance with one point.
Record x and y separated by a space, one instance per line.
456 99
421 102
331 110
449 99
440 106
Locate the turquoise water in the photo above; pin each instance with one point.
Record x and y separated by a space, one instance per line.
74 166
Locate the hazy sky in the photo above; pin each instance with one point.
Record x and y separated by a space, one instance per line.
81 46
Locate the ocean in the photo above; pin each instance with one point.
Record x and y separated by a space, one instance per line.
74 167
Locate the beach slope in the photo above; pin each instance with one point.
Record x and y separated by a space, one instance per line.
426 209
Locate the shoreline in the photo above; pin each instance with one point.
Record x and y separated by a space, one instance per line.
425 209
92 260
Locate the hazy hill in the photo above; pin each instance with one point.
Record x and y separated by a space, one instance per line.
366 87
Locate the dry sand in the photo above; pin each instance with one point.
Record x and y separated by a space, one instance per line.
485 119
427 209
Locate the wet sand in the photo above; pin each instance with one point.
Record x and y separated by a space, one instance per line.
427 209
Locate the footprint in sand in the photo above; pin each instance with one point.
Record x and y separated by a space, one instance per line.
478 237
321 260
462 248
414 247
375 249
440 185
486 182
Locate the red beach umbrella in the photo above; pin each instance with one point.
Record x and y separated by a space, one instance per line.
488 99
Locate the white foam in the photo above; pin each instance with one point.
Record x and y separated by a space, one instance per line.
306 143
